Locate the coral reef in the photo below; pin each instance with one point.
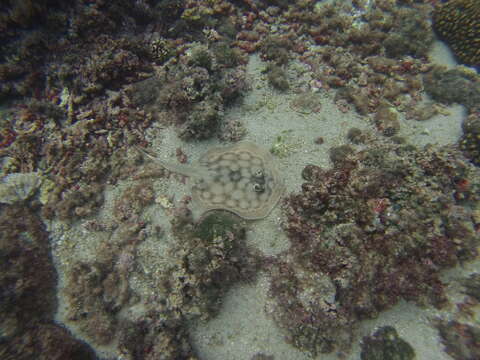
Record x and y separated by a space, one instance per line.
45 342
276 49
83 82
193 93
206 259
386 344
351 44
132 202
303 304
73 66
152 337
377 227
458 23
28 277
95 293
211 258
409 35
232 131
96 85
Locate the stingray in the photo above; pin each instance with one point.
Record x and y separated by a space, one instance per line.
240 178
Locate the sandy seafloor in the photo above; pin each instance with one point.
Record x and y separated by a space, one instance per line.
242 327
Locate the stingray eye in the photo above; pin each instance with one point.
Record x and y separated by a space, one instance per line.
258 173
258 187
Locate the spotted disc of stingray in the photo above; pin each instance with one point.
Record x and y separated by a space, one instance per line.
241 178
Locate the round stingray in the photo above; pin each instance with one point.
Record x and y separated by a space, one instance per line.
242 179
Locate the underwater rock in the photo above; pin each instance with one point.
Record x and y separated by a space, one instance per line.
470 141
369 227
472 286
17 187
461 341
28 283
386 344
459 85
386 120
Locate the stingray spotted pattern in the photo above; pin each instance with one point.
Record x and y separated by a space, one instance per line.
241 178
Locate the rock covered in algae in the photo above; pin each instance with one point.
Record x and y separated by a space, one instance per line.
368 227
459 85
460 340
386 344
470 141
28 283
112 301
18 187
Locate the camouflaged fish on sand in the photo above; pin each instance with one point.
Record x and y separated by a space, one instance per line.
241 178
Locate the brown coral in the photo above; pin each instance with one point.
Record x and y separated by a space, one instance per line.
458 22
